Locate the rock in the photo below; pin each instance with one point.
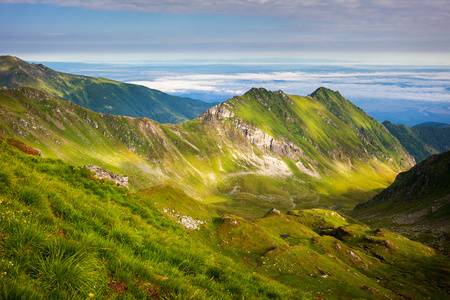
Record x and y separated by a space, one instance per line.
187 221
219 112
39 153
228 219
273 211
190 223
119 179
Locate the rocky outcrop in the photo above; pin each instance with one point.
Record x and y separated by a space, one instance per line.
186 221
259 138
119 179
263 140
218 112
190 223
273 211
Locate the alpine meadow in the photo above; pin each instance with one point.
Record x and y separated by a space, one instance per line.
116 191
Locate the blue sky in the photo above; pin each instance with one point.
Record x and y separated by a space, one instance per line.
390 57
403 31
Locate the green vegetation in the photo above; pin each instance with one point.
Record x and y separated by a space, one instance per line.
67 235
421 141
433 124
197 221
311 159
100 94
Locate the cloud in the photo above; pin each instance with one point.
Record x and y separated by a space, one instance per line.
356 12
387 85
241 26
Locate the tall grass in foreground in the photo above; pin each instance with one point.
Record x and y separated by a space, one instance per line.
64 235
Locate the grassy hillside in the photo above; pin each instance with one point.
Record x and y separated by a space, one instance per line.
417 204
66 235
243 156
100 94
421 141
341 156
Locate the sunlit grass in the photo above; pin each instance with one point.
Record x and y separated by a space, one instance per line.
67 236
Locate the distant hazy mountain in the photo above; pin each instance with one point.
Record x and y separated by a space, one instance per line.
416 204
421 140
100 94
433 124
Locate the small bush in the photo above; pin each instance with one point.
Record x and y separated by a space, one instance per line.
23 147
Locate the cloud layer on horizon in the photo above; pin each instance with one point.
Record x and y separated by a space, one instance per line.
387 85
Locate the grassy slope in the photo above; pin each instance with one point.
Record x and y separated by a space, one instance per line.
417 204
421 141
56 220
208 160
65 235
100 94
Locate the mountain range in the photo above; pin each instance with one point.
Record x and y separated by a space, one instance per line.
251 152
234 203
100 94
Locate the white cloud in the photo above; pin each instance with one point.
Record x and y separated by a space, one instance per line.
405 85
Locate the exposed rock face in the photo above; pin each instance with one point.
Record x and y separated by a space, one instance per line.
263 140
217 113
228 219
119 179
259 138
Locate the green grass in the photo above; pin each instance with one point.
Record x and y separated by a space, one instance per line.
65 235
114 244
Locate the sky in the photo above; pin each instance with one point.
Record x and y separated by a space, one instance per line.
395 31
390 57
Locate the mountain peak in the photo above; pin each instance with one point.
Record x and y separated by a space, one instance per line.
98 94
323 90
